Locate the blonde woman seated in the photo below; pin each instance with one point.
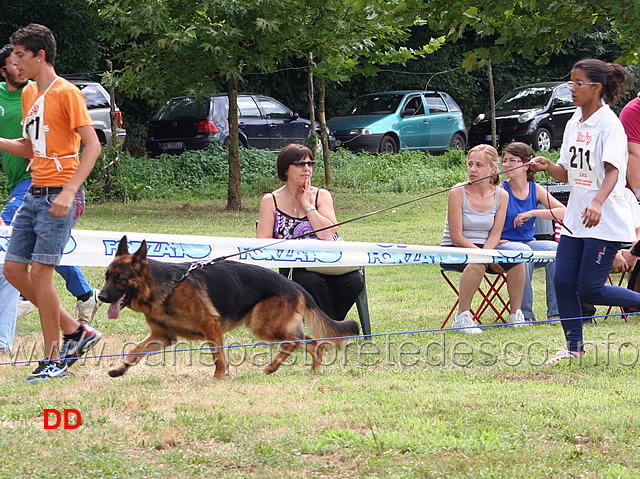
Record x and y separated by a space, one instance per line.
296 208
475 217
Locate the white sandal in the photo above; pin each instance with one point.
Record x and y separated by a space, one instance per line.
562 355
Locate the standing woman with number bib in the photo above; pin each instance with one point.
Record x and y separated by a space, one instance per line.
593 159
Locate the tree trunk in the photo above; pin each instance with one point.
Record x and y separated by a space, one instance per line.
492 99
234 194
323 132
112 107
312 105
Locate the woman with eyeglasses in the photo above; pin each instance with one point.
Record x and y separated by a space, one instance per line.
520 223
298 208
593 160
475 216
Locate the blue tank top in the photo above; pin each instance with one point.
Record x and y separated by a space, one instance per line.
514 208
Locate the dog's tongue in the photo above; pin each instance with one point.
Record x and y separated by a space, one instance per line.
114 309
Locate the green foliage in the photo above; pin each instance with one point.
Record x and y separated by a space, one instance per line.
74 23
409 171
203 174
200 174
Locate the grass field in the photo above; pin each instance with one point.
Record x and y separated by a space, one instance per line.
403 404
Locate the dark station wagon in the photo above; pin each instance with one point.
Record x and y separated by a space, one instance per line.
535 114
186 123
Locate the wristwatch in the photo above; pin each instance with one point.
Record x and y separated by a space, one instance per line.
310 208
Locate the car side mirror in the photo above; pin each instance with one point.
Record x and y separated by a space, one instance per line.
295 116
408 112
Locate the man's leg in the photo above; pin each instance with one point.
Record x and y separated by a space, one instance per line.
16 199
9 300
87 299
37 286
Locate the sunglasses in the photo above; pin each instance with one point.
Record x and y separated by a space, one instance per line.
300 164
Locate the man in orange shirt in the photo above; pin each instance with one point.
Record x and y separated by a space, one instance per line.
55 121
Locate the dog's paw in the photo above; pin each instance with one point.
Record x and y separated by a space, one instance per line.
115 373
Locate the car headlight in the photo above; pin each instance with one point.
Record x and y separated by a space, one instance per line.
528 116
478 119
361 131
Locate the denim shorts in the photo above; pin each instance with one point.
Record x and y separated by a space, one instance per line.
38 236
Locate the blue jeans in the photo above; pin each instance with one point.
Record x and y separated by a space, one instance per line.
74 278
38 236
550 271
16 199
582 267
9 297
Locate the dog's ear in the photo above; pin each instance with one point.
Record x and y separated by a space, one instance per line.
141 254
123 249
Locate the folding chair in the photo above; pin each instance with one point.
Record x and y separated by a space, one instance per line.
623 313
489 291
362 304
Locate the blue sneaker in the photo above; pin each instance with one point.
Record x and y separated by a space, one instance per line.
48 369
78 343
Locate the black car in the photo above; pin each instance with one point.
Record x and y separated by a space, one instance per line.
186 123
534 114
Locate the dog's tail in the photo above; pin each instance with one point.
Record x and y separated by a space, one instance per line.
322 326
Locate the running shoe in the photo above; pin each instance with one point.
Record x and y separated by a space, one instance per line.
77 344
48 369
465 321
86 310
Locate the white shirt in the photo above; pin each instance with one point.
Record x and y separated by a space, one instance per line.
586 147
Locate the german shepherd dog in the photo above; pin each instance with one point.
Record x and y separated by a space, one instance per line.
205 302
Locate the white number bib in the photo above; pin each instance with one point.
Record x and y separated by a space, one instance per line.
582 158
34 129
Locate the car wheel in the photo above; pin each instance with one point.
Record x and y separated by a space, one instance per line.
542 140
457 142
388 145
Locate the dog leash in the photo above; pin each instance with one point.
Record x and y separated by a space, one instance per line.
203 263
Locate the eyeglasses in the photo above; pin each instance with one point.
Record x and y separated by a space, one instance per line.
511 161
581 84
300 164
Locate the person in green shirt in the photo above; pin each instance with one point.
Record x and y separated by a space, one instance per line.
19 180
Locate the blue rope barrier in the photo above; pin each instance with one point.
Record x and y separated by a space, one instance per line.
320 340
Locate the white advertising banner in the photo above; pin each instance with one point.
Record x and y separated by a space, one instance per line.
97 248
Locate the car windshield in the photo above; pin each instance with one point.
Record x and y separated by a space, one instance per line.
183 108
525 99
373 105
94 96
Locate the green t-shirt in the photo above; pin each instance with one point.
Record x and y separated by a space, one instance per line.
15 167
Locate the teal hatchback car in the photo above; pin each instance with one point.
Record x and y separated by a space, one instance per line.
401 120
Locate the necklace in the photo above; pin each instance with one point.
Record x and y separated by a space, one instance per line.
291 201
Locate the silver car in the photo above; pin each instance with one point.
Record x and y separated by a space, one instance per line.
99 105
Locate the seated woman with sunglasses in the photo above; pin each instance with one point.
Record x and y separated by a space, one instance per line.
298 207
520 222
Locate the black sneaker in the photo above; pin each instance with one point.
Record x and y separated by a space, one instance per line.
48 369
78 343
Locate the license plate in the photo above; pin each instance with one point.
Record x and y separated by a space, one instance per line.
172 145
490 138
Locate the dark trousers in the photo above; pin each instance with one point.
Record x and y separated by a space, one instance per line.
334 294
582 267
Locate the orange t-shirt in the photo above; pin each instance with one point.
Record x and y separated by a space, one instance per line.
65 110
